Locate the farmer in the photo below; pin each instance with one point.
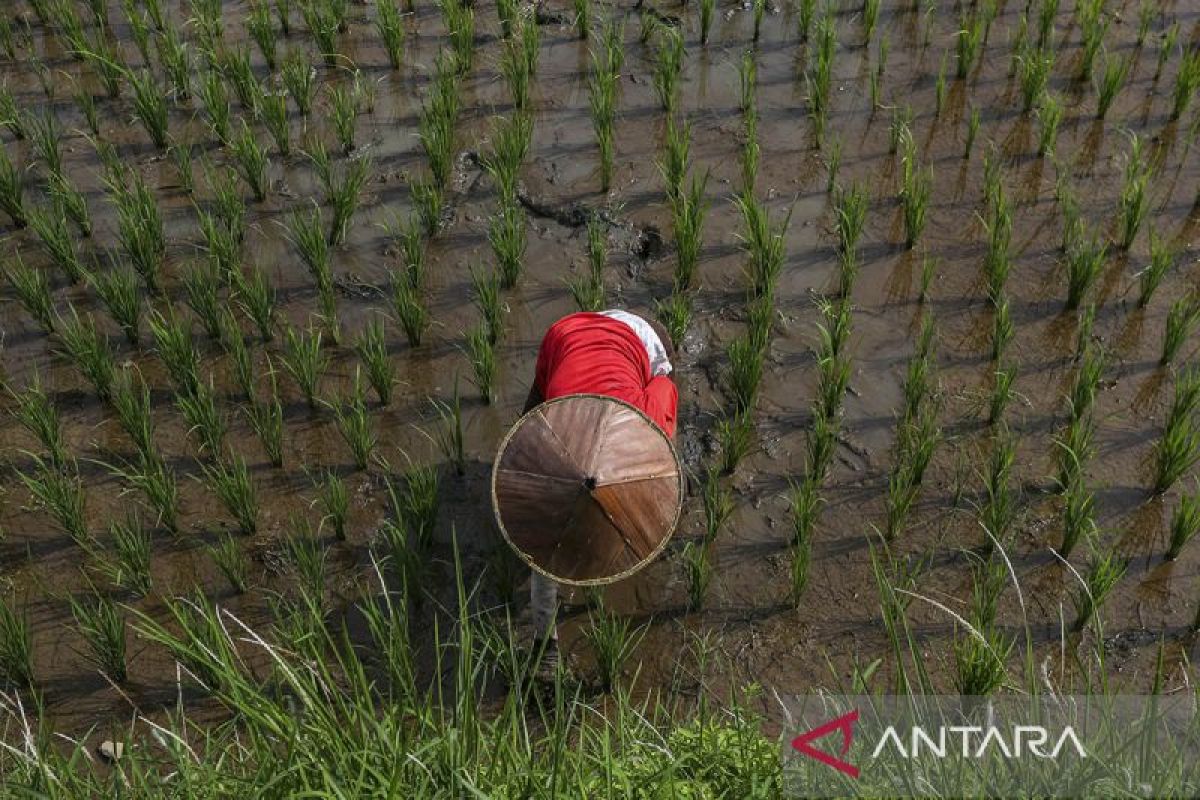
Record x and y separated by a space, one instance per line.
613 353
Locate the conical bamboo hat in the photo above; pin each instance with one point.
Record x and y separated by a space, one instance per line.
586 489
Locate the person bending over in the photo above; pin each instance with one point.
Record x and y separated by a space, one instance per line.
612 353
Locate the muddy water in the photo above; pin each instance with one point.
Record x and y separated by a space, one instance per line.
762 637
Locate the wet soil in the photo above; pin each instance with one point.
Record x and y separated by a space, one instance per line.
764 638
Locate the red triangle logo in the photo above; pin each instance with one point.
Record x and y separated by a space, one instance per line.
845 724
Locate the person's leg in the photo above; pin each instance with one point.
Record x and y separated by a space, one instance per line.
543 600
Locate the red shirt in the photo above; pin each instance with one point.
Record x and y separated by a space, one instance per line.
587 353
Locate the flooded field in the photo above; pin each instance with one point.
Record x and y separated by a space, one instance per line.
997 209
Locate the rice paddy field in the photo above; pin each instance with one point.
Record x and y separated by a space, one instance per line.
274 277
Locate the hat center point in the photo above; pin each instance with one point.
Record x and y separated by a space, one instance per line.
589 483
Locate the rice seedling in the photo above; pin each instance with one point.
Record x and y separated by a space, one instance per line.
1002 390
273 111
850 216
1162 259
1000 505
745 373
735 436
928 268
16 647
436 131
997 262
819 78
36 413
307 232
449 433
129 566
266 418
531 43
482 353
8 42
1134 202
707 11
343 111
88 350
176 59
131 402
227 555
1185 523
459 18
717 503
139 225
12 190
139 30
916 188
408 301
674 163
69 27
900 128
300 80
1104 572
322 21
240 360
150 106
229 480
60 493
1175 453
215 99
969 42
1187 82
305 361
429 201
507 236
345 197
1085 262
1181 321
262 31
70 203
979 661
32 288
1078 516
236 68
200 283
688 213
256 297
698 567
118 290
583 18
85 101
334 500
675 313
50 226
250 160
760 7
602 92
371 348
613 641
764 243
390 26
1166 46
1049 116
485 291
416 504
1110 83
204 419
174 345
1087 381
103 628
354 422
